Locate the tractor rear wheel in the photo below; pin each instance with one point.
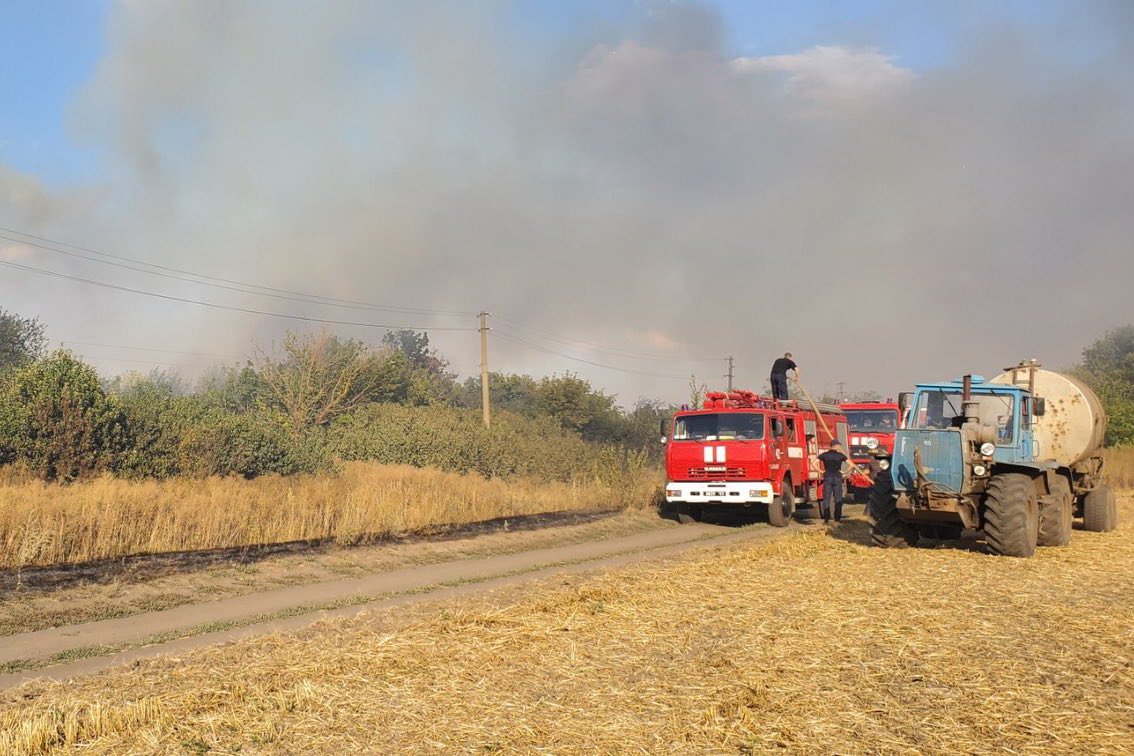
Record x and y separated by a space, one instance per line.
782 507
1056 515
886 527
1011 515
1100 512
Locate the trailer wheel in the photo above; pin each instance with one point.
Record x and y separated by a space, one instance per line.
886 527
782 507
1055 515
1011 515
1100 513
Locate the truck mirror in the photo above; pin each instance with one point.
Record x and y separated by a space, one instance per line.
1039 405
662 430
904 400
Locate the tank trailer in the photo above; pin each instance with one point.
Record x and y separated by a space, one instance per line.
1017 457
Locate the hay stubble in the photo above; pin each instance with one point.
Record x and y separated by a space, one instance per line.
812 643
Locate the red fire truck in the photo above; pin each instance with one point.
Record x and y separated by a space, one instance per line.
872 425
740 448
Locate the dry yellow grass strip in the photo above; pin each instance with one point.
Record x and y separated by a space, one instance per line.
1119 466
811 644
45 524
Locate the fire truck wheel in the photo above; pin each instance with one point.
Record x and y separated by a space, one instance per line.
1055 515
886 528
1099 511
1011 515
687 514
668 510
782 508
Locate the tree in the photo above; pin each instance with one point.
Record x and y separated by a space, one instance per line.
1108 366
56 419
234 389
320 377
697 392
22 340
415 346
577 407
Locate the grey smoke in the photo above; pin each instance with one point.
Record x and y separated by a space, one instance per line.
639 186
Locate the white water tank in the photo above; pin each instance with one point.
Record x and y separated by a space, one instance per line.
1073 425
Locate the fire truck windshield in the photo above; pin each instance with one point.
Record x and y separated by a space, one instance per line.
743 426
878 421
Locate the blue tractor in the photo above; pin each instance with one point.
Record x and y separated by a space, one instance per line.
1017 457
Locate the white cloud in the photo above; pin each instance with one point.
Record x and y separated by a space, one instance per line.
832 77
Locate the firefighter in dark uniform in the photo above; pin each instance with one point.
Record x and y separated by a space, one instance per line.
778 377
833 461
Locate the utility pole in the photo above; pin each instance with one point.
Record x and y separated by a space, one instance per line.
484 401
842 393
729 374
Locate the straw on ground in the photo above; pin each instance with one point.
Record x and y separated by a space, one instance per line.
813 644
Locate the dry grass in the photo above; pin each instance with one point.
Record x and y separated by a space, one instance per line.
107 518
811 644
1119 466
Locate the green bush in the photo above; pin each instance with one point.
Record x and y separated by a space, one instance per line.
248 445
57 420
456 439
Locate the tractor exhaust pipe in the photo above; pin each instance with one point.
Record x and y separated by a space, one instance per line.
969 408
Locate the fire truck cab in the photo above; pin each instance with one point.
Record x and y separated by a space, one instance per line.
872 426
745 449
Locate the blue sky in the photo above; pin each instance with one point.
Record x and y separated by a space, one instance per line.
51 48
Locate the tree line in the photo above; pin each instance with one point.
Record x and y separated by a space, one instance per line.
318 399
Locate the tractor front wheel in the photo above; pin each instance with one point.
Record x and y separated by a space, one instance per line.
1011 515
886 528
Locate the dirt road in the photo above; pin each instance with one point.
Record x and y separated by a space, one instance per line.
62 652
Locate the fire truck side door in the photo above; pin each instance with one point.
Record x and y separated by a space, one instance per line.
796 455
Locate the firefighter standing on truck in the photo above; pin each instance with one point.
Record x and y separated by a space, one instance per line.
779 375
833 461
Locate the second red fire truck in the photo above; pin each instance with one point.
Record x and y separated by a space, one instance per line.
744 449
872 426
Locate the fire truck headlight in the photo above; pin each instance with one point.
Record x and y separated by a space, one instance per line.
987 449
979 470
871 442
672 492
883 464
753 493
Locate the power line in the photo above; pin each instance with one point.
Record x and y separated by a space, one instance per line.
529 344
178 274
233 308
587 346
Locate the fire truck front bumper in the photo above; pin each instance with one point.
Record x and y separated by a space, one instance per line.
705 492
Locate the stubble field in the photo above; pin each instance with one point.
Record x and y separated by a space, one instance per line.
814 643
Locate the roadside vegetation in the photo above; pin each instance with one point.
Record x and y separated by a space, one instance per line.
103 518
328 439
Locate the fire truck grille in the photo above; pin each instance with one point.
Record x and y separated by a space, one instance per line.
858 451
716 473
